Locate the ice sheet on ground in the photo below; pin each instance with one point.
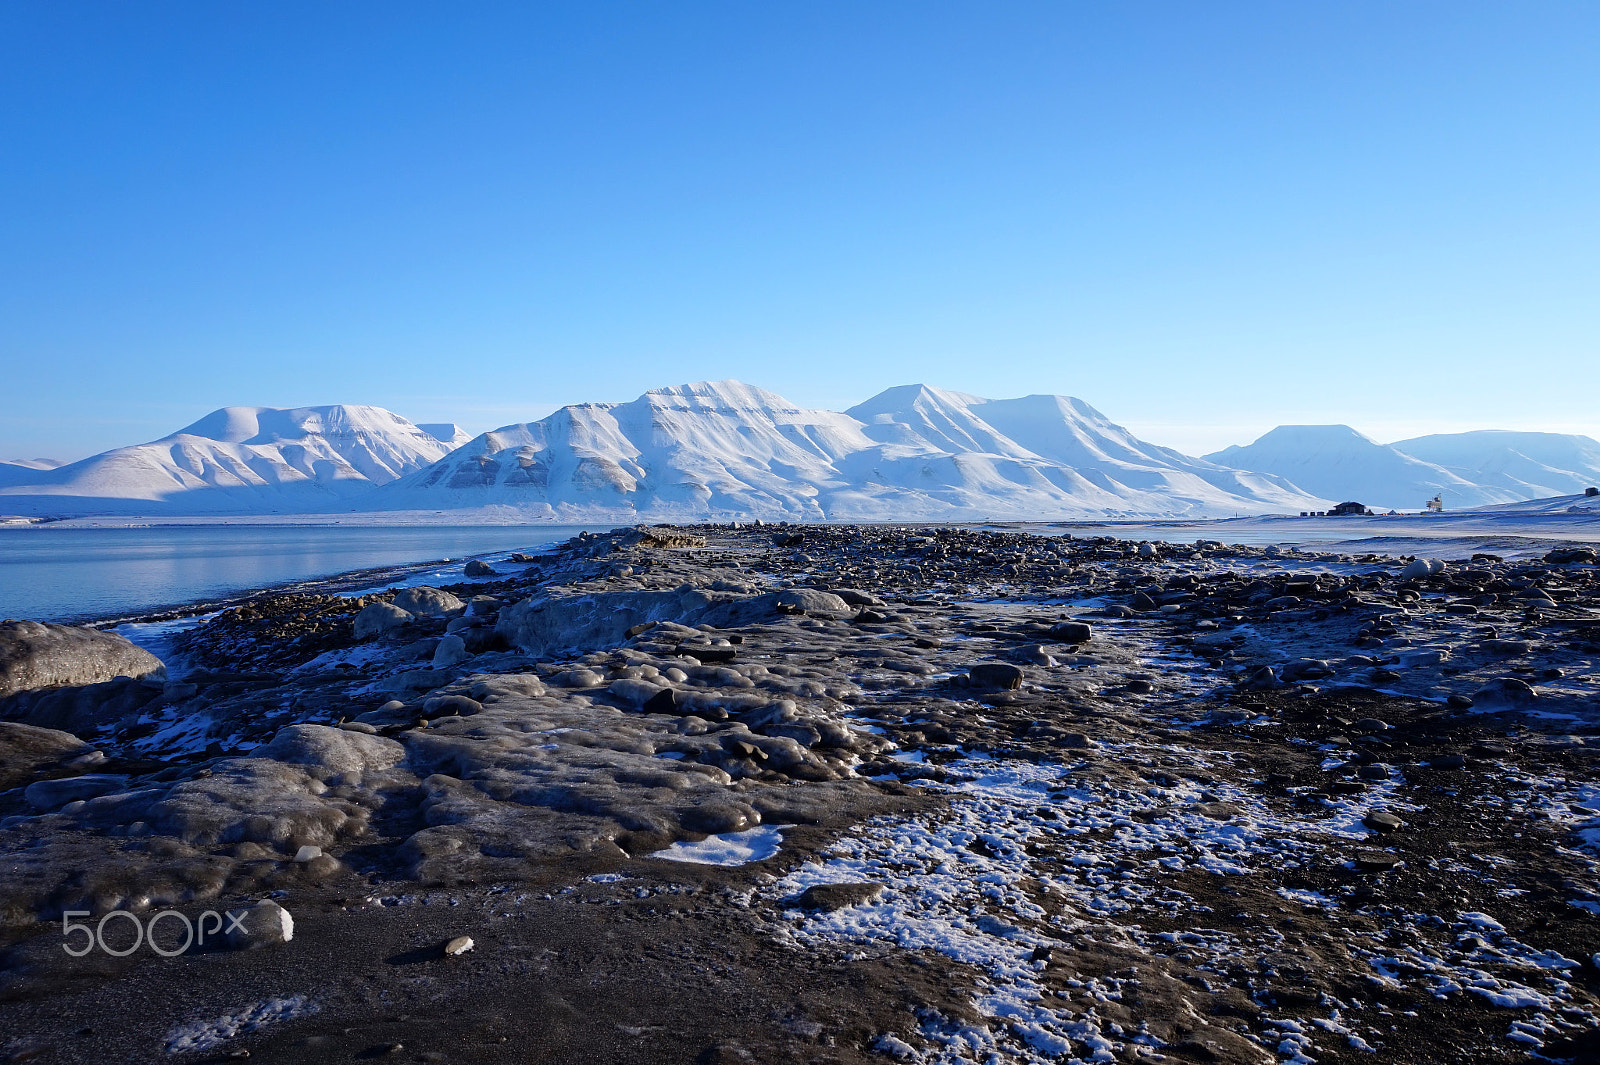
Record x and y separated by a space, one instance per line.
731 848
208 1035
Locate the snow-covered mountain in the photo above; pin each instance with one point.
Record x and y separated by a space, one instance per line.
1532 465
729 449
237 459
1336 462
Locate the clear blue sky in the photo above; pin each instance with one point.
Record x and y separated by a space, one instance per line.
1203 218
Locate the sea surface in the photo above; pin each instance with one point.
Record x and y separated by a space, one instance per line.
53 573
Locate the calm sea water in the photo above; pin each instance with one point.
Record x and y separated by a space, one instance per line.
50 573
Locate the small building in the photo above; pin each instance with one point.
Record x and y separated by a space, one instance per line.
1591 491
1344 510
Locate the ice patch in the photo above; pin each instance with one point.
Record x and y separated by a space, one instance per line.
731 848
208 1035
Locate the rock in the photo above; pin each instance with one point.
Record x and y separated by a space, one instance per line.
379 618
1458 701
265 924
1375 772
1422 567
1567 556
427 602
1374 861
1372 724
46 795
549 623
577 678
458 946
856 597
1261 678
331 751
1505 693
450 706
307 853
1147 551
830 897
1382 821
452 650
1305 669
1448 761
27 749
996 675
479 568
1282 602
36 656
811 602
1142 602
1071 632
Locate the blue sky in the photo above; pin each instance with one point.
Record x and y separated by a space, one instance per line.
1204 219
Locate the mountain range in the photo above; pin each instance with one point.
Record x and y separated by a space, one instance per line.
726 449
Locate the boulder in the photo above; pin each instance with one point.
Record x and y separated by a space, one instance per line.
265 924
1071 632
479 568
1422 567
25 750
379 618
452 650
427 602
996 675
36 656
49 795
329 751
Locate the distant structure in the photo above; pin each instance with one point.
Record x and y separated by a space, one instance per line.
1436 504
1591 491
1345 510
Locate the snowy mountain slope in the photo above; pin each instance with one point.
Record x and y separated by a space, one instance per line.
1336 462
1070 432
727 448
1529 464
238 459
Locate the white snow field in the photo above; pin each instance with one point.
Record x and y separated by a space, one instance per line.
237 460
728 449
1528 464
1339 463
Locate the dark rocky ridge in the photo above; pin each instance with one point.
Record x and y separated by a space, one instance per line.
1216 686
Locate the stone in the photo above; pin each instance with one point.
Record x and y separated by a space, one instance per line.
1382 821
307 853
479 568
25 750
1147 551
577 678
1142 602
1374 861
36 656
1420 568
265 924
427 602
46 795
1505 693
377 619
1071 632
450 706
1375 772
452 650
1305 669
996 675
831 897
1567 556
458 946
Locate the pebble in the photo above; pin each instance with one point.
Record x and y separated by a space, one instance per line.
458 945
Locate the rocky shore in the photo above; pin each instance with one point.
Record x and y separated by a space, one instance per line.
824 793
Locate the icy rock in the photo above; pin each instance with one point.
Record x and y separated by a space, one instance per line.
54 794
996 675
457 946
307 853
265 924
1422 567
450 706
379 618
1505 693
831 897
26 749
332 751
1147 551
1305 669
479 568
599 619
452 650
427 602
1382 821
35 656
1071 632
577 678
